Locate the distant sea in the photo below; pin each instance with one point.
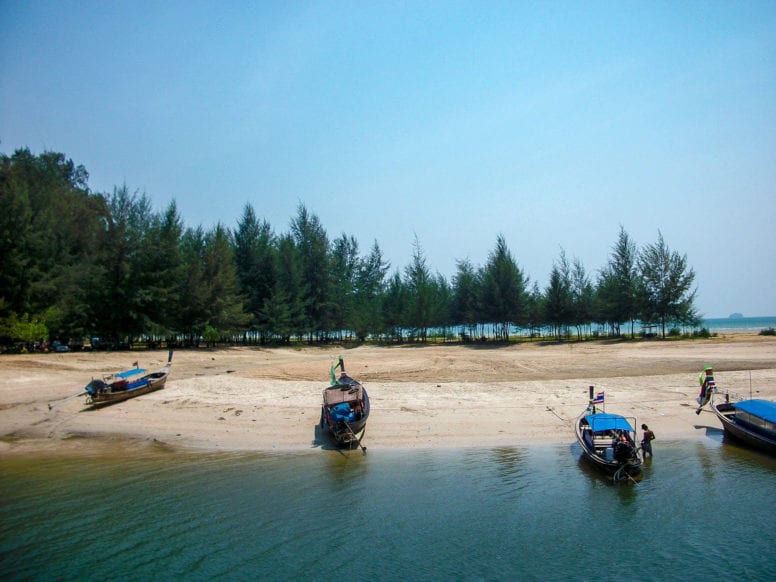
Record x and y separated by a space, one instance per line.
739 324
718 325
705 510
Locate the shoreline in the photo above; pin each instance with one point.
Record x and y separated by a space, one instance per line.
243 400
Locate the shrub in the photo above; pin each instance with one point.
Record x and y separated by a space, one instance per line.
768 331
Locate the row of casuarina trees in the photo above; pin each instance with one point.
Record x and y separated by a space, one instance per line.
76 264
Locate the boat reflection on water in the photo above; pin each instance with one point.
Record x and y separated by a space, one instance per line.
593 471
345 465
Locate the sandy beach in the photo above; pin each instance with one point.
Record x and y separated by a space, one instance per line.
253 399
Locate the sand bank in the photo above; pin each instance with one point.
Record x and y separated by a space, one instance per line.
251 399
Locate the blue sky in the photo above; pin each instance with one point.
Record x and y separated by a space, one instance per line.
550 123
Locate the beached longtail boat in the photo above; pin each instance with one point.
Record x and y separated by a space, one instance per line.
751 422
121 386
345 409
609 441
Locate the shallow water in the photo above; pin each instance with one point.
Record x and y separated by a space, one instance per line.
704 510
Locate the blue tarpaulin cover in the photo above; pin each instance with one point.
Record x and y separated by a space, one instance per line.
603 422
341 412
760 408
129 373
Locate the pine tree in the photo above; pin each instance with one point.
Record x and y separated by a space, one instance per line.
503 290
467 292
667 281
313 247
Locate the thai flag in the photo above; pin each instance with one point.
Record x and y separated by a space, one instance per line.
599 398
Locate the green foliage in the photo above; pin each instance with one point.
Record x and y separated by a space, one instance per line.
396 307
617 290
558 300
48 232
467 296
223 301
108 265
503 290
255 260
211 335
665 293
420 290
366 315
768 331
312 245
25 328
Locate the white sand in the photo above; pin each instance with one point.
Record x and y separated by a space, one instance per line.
243 399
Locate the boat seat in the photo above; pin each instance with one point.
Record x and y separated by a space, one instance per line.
602 442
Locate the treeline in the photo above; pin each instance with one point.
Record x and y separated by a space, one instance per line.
76 264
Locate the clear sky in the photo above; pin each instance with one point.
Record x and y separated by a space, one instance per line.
550 123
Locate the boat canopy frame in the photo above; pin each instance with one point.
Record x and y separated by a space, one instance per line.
603 421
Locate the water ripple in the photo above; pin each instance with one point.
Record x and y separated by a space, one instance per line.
477 514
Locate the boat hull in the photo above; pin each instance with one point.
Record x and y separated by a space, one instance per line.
346 437
156 381
726 414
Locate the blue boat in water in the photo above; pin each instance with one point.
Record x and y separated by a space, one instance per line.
609 441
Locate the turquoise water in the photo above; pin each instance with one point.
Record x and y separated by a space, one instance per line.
741 324
718 325
704 510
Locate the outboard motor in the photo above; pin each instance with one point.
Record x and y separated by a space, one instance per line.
96 387
623 452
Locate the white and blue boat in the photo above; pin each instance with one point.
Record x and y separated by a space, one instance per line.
125 385
609 441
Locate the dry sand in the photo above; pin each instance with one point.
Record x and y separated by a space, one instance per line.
243 399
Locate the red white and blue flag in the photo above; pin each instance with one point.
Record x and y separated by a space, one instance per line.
599 398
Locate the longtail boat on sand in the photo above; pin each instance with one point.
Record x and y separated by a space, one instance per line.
345 409
125 385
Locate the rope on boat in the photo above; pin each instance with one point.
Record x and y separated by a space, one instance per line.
358 442
51 405
552 409
617 477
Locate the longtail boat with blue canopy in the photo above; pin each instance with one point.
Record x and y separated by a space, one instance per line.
751 422
609 441
345 409
122 386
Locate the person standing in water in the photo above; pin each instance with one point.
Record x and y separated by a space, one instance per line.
646 440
